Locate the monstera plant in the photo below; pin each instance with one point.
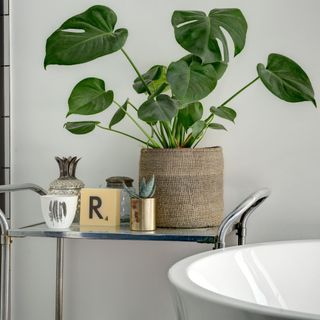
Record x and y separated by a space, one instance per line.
172 120
172 115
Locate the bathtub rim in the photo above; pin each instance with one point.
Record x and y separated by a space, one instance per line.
178 277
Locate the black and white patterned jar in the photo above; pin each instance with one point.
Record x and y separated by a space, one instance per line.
67 183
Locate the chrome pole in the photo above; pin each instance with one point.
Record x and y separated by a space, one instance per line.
23 186
59 279
5 245
5 268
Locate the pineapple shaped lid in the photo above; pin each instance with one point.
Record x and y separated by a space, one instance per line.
67 178
67 167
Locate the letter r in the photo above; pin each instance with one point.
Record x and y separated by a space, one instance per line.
94 204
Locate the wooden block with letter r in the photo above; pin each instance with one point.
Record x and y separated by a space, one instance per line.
100 207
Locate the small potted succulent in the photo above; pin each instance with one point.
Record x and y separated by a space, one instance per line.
173 119
143 206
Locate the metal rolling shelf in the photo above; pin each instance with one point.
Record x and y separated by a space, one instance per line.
203 235
206 235
235 220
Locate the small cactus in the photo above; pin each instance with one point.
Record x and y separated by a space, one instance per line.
147 189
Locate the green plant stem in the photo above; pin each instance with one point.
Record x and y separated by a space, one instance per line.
167 128
160 136
162 87
153 127
201 136
123 133
232 97
129 102
177 133
174 126
210 118
163 135
238 92
156 129
182 135
186 142
137 71
138 125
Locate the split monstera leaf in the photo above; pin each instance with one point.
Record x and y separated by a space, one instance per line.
172 115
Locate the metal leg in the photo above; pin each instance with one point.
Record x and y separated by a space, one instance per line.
5 246
59 279
5 269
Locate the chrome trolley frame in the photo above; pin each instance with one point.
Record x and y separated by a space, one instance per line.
236 220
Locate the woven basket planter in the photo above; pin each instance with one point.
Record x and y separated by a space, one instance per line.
189 185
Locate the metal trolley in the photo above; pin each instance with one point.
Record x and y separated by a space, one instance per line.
234 221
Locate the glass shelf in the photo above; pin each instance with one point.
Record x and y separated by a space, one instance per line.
203 235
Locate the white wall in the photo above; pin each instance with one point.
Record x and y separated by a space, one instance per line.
273 144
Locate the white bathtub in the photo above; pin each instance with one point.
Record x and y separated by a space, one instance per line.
279 280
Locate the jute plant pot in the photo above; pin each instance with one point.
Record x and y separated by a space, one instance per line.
189 185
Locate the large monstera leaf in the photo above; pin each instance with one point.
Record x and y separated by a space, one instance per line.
286 79
199 34
190 80
85 37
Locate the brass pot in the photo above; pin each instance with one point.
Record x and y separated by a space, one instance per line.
143 214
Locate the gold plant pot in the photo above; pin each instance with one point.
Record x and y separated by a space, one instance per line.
143 214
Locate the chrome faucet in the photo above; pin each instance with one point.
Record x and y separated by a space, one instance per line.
241 214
